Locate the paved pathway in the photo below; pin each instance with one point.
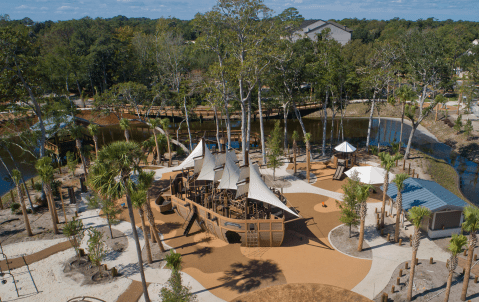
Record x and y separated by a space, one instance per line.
387 256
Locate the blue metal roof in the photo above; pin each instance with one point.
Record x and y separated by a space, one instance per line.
421 192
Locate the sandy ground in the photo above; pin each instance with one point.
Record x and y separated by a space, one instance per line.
302 293
430 284
27 248
341 241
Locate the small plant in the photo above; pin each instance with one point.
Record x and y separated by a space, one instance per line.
56 185
374 150
174 290
395 146
72 162
458 123
468 128
180 152
37 186
108 209
14 207
96 247
75 233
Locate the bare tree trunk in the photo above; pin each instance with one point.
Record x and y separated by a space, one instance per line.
243 121
24 211
415 246
294 155
261 125
47 189
383 206
217 129
398 214
151 221
285 119
158 156
137 243
95 141
188 123
298 116
370 123
409 143
248 132
325 122
472 245
402 124
145 235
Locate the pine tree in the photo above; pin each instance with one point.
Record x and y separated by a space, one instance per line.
349 205
468 128
274 144
458 123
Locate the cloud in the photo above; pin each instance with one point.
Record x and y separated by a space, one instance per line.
22 7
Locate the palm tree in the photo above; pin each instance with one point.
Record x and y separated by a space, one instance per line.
295 137
17 177
307 139
362 195
387 162
45 170
94 130
399 181
77 134
165 124
111 177
455 247
404 93
147 180
138 200
471 225
416 215
153 124
125 126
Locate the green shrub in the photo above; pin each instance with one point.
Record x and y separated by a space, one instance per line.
14 207
180 152
37 186
56 185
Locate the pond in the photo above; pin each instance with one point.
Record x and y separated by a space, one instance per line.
355 131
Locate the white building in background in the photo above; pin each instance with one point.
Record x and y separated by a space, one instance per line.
311 28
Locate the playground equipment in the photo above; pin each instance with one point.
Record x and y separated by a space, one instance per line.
230 202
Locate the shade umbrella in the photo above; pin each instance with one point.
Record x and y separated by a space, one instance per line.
345 147
370 175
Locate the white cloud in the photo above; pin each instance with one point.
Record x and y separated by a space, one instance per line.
22 7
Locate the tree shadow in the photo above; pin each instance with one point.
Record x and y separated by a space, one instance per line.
201 252
247 277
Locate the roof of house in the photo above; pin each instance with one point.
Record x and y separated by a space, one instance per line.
53 125
307 23
426 193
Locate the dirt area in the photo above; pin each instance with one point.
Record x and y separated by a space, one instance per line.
229 270
304 292
430 281
84 272
278 182
349 245
443 243
390 227
12 228
118 243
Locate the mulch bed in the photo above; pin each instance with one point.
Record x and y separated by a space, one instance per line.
83 271
341 241
430 281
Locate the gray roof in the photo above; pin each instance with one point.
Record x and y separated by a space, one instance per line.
426 193
307 23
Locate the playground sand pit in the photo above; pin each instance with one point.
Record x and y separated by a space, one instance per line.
303 292
349 245
430 284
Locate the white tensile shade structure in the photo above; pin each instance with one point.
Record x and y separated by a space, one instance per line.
259 191
230 175
345 147
208 167
370 175
231 152
189 162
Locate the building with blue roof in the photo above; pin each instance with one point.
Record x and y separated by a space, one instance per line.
446 207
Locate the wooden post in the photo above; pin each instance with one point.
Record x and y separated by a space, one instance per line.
475 279
33 183
406 266
465 252
431 260
475 257
400 242
1 203
307 162
409 169
400 273
398 281
404 165
392 289
388 238
417 261
413 172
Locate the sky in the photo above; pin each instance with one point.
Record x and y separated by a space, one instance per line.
41 10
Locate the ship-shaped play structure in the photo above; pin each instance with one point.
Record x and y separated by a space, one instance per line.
229 201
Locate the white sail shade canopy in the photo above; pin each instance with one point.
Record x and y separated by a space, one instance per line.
208 168
345 147
259 191
230 175
231 152
370 175
189 162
